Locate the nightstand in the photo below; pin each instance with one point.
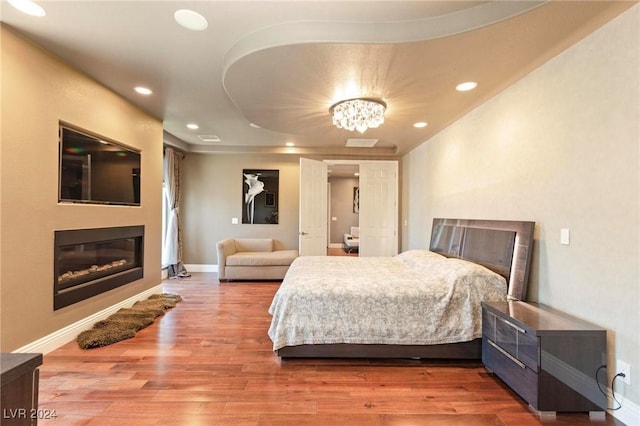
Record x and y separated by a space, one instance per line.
19 392
549 358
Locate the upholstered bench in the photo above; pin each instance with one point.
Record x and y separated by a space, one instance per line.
352 240
252 259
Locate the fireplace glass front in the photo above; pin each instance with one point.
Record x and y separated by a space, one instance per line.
91 261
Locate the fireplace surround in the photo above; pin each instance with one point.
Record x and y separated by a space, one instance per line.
88 262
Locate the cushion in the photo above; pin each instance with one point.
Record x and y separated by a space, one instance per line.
253 244
355 231
272 258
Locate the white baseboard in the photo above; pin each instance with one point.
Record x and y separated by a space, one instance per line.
201 268
56 339
629 413
335 245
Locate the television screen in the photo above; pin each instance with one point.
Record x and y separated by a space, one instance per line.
97 171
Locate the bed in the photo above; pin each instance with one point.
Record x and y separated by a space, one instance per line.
417 304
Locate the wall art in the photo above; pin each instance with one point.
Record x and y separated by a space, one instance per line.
356 199
260 196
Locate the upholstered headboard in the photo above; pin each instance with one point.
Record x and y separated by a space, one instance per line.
503 246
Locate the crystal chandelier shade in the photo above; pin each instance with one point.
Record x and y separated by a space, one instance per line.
358 114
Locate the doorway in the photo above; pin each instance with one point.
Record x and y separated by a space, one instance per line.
343 209
378 207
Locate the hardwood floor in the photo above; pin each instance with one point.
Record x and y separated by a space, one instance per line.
335 251
209 361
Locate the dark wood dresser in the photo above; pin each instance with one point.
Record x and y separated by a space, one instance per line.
549 358
19 393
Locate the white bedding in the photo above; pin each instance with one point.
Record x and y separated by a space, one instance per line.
414 298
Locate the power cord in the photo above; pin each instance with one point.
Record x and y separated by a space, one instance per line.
613 394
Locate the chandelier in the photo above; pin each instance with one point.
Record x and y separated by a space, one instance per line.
358 114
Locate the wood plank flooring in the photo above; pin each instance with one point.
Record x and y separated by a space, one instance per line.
209 361
335 251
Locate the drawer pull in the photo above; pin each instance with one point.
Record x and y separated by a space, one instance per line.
507 354
521 330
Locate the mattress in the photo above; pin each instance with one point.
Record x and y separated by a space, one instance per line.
414 298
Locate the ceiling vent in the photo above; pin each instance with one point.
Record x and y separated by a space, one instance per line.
209 138
361 143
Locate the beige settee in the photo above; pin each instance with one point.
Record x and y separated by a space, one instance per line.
252 259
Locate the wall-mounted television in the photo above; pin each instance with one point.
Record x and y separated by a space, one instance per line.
96 170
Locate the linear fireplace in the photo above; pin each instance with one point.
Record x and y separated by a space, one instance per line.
88 262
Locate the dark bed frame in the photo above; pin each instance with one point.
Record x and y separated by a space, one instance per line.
503 246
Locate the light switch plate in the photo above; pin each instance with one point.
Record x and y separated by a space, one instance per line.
564 236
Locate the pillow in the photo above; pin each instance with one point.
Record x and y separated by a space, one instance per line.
355 231
417 259
465 273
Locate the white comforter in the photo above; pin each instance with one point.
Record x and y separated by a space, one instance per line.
415 298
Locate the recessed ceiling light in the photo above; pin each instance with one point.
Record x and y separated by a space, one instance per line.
469 85
28 7
193 126
420 124
143 90
290 144
191 20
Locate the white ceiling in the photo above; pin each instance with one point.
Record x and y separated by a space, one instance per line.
281 65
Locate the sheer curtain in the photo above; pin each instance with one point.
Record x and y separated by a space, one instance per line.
172 246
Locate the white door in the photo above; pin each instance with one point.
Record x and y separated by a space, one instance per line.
378 208
312 238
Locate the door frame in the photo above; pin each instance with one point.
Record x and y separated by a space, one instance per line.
359 162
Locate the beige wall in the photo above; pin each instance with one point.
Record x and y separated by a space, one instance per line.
213 189
38 90
560 147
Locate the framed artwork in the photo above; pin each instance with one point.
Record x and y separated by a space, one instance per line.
356 199
260 196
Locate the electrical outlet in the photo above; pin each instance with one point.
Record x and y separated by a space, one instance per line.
624 368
